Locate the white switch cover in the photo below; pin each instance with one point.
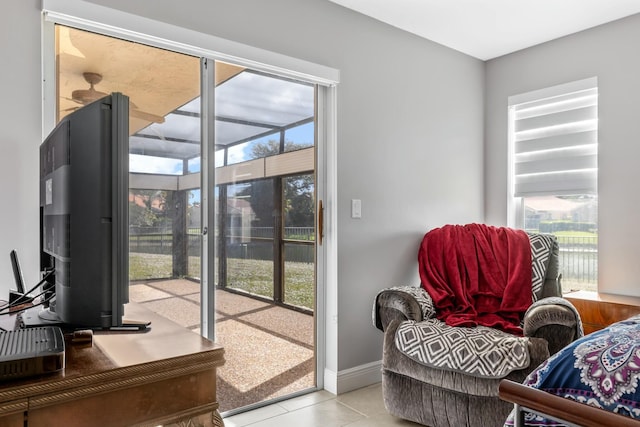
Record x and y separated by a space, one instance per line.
356 208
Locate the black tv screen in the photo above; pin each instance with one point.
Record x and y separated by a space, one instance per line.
84 187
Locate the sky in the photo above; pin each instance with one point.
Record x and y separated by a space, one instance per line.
250 103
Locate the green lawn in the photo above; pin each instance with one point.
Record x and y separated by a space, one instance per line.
149 266
567 238
254 276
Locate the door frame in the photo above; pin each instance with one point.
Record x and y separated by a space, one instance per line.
115 23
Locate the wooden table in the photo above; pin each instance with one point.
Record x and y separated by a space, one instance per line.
164 376
599 310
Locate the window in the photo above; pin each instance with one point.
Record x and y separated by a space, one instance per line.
553 139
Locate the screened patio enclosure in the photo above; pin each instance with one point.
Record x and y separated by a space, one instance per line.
264 189
264 153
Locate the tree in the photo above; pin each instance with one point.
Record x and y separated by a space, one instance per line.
267 149
272 147
147 208
299 200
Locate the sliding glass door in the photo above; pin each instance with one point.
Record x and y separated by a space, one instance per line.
265 234
222 244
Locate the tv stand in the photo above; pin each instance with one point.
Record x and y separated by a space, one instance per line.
164 376
132 325
39 316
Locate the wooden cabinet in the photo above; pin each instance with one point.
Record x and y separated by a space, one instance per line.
164 376
599 310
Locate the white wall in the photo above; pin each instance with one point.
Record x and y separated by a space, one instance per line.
20 135
410 135
611 53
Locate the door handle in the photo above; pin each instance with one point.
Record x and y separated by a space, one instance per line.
320 222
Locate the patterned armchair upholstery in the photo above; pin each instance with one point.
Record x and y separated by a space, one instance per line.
440 375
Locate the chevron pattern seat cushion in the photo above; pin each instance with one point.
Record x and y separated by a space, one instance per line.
480 352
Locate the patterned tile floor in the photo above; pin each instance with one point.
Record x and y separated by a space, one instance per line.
269 350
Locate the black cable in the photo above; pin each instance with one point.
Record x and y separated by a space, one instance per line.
43 280
22 309
24 296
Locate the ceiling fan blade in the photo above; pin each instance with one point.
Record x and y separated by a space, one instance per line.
86 96
133 111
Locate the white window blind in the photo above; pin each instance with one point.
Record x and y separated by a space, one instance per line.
554 137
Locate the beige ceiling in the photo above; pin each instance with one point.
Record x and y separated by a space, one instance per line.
157 81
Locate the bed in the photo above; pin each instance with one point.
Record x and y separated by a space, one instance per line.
591 382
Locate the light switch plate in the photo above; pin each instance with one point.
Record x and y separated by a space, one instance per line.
356 208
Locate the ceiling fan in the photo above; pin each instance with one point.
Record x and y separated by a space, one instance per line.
86 96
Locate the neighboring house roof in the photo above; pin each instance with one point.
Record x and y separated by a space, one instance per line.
552 204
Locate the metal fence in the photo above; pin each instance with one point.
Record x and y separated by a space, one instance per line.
159 240
579 267
243 242
579 259
294 233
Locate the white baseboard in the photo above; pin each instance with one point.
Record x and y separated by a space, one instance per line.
353 378
330 381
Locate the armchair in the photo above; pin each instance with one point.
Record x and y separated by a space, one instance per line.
441 375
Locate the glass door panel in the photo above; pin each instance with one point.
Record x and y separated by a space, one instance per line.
299 240
265 230
299 275
164 127
249 238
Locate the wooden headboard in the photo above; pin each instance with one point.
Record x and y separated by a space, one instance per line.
528 399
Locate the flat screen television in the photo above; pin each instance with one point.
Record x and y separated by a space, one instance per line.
84 187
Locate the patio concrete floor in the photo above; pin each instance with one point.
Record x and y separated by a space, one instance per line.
269 349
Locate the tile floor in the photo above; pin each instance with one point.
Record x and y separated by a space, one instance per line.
359 408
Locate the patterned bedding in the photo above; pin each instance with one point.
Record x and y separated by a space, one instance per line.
600 369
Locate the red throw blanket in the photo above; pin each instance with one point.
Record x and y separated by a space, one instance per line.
477 275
